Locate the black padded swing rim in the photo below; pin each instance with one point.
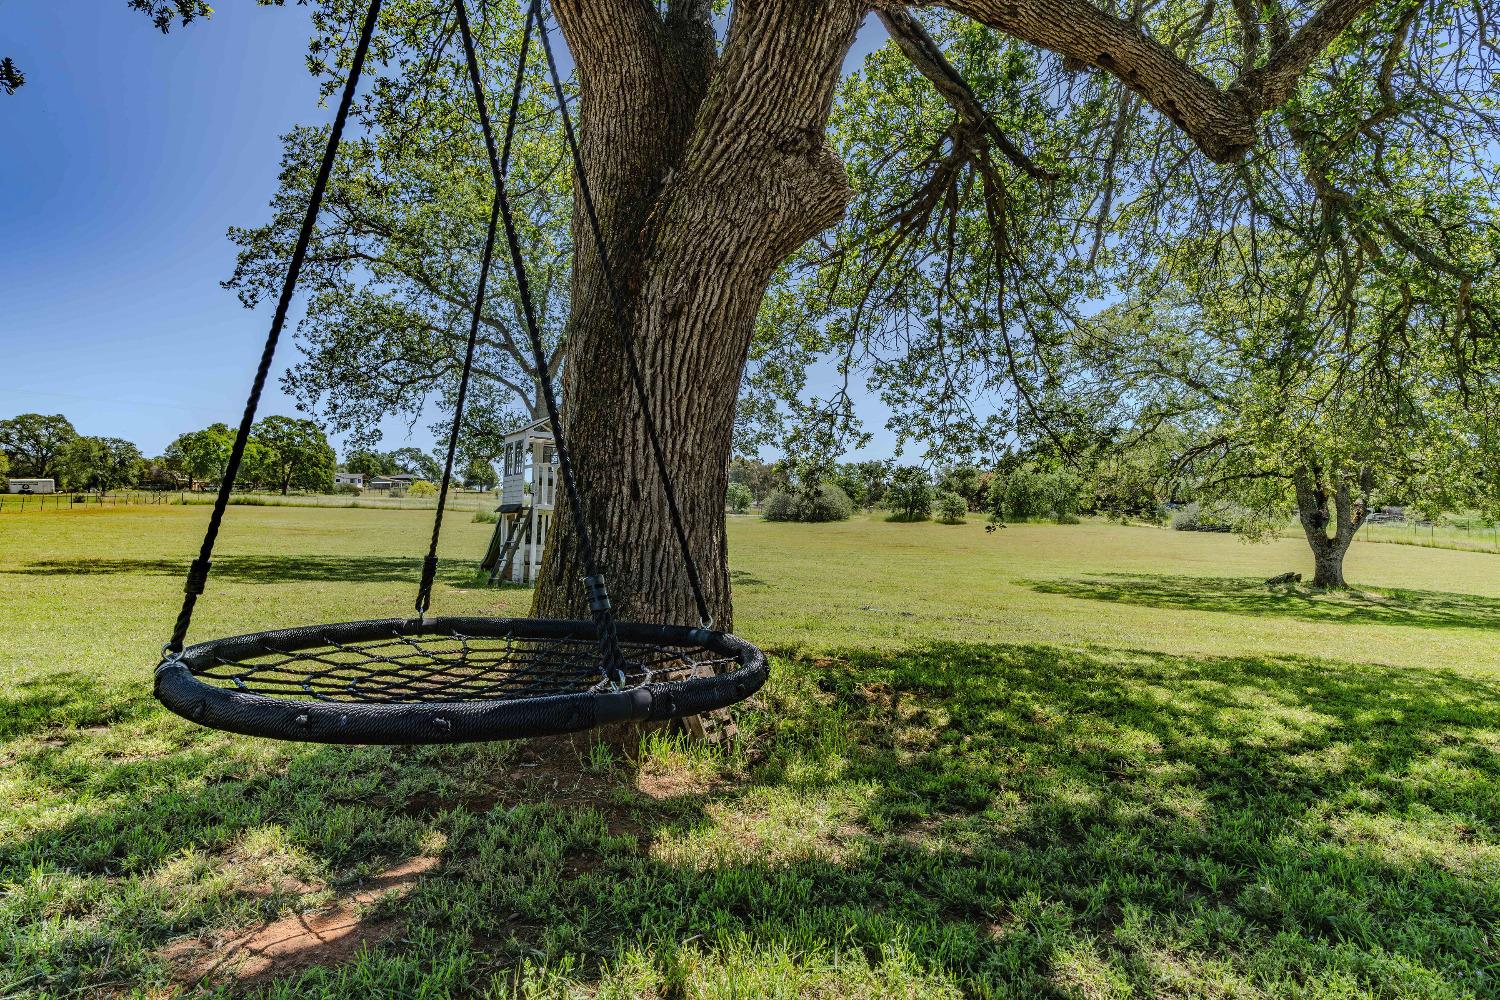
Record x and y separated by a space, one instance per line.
408 723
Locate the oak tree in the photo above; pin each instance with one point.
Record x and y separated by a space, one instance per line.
33 441
294 454
99 463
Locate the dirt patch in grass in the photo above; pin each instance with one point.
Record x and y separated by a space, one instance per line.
298 942
550 770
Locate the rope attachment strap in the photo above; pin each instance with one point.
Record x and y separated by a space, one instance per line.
198 576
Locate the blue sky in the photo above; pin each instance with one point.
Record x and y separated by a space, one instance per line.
126 157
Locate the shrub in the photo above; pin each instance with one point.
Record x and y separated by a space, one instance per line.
779 507
482 516
849 479
965 480
994 496
422 488
829 503
826 503
909 495
347 490
951 507
1194 518
738 498
1059 494
1023 496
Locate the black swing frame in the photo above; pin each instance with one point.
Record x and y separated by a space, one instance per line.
358 692
179 685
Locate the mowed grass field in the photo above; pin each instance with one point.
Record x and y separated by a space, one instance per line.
1081 761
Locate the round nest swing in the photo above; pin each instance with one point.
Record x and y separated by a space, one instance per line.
455 679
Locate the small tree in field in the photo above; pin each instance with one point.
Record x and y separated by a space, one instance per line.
1291 396
851 480
371 464
422 488
909 495
479 474
738 498
203 455
951 507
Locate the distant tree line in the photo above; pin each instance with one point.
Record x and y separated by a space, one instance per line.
284 454
1021 487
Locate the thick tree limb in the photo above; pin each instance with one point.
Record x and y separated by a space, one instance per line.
1220 121
1272 84
604 34
927 56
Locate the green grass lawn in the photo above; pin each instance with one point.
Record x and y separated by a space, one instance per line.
1083 761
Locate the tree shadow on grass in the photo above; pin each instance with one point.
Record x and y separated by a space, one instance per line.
67 699
1248 596
263 568
976 819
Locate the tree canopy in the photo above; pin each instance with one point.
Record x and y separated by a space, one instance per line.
392 273
294 454
202 455
1000 195
34 442
990 210
99 463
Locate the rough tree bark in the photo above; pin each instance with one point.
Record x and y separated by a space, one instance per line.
1349 497
709 170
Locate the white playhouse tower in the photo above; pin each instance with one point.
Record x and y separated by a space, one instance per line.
528 497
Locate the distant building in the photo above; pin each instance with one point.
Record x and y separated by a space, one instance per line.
32 486
528 498
349 479
399 481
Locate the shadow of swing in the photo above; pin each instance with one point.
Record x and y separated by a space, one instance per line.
985 806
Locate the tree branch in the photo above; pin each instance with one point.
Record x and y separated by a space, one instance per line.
1220 121
927 56
1271 84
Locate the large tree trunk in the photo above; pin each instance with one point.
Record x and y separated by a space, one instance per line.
708 172
1315 495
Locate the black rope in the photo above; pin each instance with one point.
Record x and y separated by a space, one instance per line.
198 574
621 320
429 565
599 603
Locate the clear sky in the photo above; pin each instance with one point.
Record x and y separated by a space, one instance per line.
123 161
